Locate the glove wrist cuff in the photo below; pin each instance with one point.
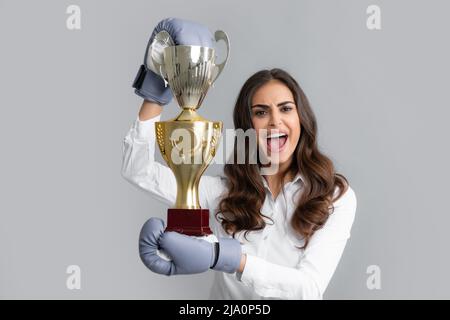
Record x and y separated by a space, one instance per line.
216 254
228 255
150 86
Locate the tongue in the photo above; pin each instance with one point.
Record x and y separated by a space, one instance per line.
275 144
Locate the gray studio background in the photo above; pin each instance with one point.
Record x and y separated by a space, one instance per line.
66 103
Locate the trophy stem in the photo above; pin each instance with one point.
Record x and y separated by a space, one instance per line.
187 191
189 114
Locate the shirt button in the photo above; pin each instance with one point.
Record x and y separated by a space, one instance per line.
265 237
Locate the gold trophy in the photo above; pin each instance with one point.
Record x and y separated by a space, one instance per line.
188 143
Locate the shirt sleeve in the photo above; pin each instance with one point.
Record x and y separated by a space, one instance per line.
141 170
309 279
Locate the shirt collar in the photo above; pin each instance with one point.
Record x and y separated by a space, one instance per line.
297 179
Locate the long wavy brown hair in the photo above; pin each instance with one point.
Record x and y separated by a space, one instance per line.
239 209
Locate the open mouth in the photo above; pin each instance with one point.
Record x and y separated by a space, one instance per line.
276 142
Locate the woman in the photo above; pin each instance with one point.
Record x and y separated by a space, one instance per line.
280 235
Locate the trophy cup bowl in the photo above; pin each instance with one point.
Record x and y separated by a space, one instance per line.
188 142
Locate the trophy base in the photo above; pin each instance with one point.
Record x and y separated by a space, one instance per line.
191 222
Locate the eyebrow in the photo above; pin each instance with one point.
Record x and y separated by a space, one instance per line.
278 105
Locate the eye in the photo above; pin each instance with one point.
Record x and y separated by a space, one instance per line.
286 109
260 113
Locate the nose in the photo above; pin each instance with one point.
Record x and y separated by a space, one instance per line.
275 119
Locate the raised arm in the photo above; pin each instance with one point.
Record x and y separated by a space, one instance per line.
139 166
138 158
149 110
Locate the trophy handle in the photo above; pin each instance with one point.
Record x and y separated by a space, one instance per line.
220 35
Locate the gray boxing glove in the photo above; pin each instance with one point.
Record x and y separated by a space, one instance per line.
150 85
189 255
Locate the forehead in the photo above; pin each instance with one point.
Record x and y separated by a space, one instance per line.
273 91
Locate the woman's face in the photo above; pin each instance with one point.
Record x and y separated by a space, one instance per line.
273 109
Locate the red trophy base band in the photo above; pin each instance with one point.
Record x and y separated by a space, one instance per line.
192 222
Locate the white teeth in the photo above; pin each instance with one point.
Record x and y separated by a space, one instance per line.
276 135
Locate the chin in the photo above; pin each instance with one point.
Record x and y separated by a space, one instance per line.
282 158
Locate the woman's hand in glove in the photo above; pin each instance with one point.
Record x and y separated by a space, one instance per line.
189 255
150 85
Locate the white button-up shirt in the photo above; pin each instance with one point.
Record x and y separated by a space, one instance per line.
275 268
